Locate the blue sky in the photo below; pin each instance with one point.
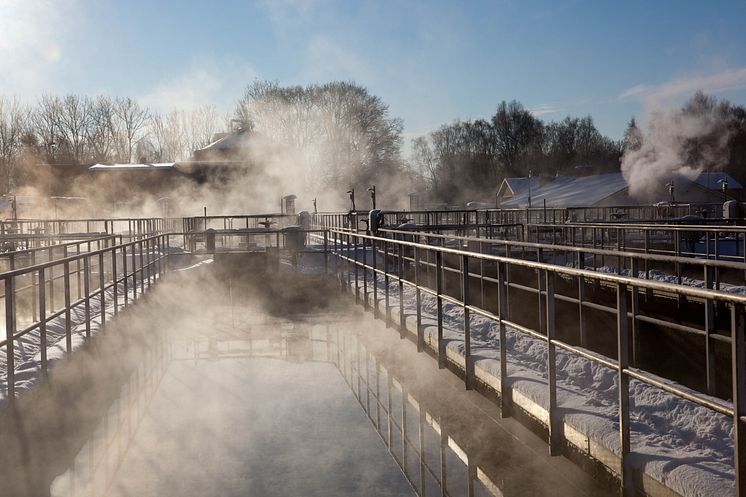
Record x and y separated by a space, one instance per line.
432 62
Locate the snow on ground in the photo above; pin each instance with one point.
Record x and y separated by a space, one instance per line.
654 274
682 445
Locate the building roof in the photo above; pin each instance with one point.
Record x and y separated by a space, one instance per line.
712 181
520 185
231 142
568 191
132 167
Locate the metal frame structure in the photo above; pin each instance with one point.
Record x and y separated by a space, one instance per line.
348 247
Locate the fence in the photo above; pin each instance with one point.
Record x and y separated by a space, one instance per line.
348 248
718 242
36 295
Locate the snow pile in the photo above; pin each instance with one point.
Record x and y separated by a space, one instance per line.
682 445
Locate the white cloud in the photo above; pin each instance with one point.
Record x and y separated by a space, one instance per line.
679 89
543 109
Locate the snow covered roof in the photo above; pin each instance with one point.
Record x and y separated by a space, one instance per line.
132 167
568 191
227 143
712 181
520 185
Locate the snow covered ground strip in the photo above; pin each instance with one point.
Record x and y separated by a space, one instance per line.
671 278
27 349
679 444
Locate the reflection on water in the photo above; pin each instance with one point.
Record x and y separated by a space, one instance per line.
260 407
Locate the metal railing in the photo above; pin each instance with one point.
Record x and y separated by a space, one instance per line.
37 294
139 226
348 247
718 242
712 271
250 221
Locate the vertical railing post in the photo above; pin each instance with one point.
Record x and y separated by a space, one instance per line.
10 331
443 458
582 291
555 418
539 289
326 252
43 322
87 296
623 350
709 330
400 274
68 324
101 284
635 345
374 263
738 358
357 275
126 276
142 266
469 363
115 288
502 314
439 301
418 301
386 282
365 273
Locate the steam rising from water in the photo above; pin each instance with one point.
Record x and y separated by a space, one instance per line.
681 142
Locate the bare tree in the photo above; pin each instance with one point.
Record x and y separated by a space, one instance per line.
73 123
341 133
133 120
13 125
45 125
